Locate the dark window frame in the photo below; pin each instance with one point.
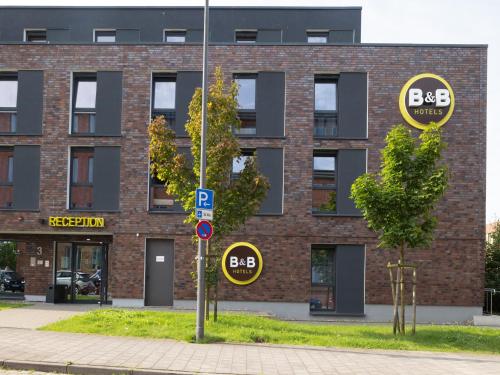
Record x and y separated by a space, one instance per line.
83 77
10 76
317 33
169 114
90 180
247 114
175 33
326 115
316 306
317 173
36 33
104 32
246 36
248 152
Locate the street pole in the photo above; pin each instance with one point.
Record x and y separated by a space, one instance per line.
200 297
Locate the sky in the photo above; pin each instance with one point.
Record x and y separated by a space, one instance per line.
395 21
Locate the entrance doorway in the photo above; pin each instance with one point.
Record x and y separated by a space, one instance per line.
81 273
159 273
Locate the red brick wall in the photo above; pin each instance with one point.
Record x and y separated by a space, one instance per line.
451 272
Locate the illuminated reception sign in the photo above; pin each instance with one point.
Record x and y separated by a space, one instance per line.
426 98
76 221
242 263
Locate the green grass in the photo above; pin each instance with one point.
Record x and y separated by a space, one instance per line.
251 329
10 305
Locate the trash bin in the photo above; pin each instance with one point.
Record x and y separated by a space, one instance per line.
60 293
49 298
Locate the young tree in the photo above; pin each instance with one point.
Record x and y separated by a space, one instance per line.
7 255
492 267
399 200
236 198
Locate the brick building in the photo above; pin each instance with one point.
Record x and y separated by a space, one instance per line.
78 87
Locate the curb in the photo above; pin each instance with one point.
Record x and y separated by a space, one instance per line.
84 369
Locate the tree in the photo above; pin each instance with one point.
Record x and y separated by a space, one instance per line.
7 255
236 197
492 266
399 200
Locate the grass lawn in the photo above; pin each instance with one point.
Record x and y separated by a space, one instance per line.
10 305
251 328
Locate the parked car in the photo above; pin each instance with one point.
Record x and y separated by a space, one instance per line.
10 280
83 284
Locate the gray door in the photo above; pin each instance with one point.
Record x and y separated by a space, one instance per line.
159 273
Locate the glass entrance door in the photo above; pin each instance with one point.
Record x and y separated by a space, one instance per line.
81 273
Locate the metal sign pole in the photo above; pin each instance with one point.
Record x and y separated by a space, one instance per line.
200 297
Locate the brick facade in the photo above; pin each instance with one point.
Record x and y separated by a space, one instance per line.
450 273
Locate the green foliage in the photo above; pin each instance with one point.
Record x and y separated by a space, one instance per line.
398 202
236 199
492 267
8 255
251 328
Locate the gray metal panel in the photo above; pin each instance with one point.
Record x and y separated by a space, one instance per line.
270 104
106 191
151 21
26 177
352 105
341 36
194 35
269 36
159 281
109 103
270 162
58 35
30 102
186 83
128 35
350 165
350 279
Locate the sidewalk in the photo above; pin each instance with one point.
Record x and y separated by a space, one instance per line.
94 354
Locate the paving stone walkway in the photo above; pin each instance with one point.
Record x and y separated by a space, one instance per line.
94 354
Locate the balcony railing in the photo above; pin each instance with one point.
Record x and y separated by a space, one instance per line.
325 124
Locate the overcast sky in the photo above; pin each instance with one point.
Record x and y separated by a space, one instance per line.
399 21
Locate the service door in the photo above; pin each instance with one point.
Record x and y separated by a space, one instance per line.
159 273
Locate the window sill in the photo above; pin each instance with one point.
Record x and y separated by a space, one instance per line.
333 214
13 209
320 138
167 212
259 136
20 134
93 135
333 313
71 210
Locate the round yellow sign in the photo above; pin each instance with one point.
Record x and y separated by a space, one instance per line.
426 98
242 263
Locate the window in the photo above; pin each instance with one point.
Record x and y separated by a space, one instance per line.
104 36
6 177
159 200
82 178
164 87
246 104
324 193
8 103
175 36
317 37
239 162
325 107
323 296
246 36
84 104
35 36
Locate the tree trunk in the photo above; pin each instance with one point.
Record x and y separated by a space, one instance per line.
207 304
414 301
402 287
394 289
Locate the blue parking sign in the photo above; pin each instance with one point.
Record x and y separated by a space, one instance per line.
205 199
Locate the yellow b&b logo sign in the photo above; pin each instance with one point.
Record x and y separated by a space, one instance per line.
426 98
242 263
